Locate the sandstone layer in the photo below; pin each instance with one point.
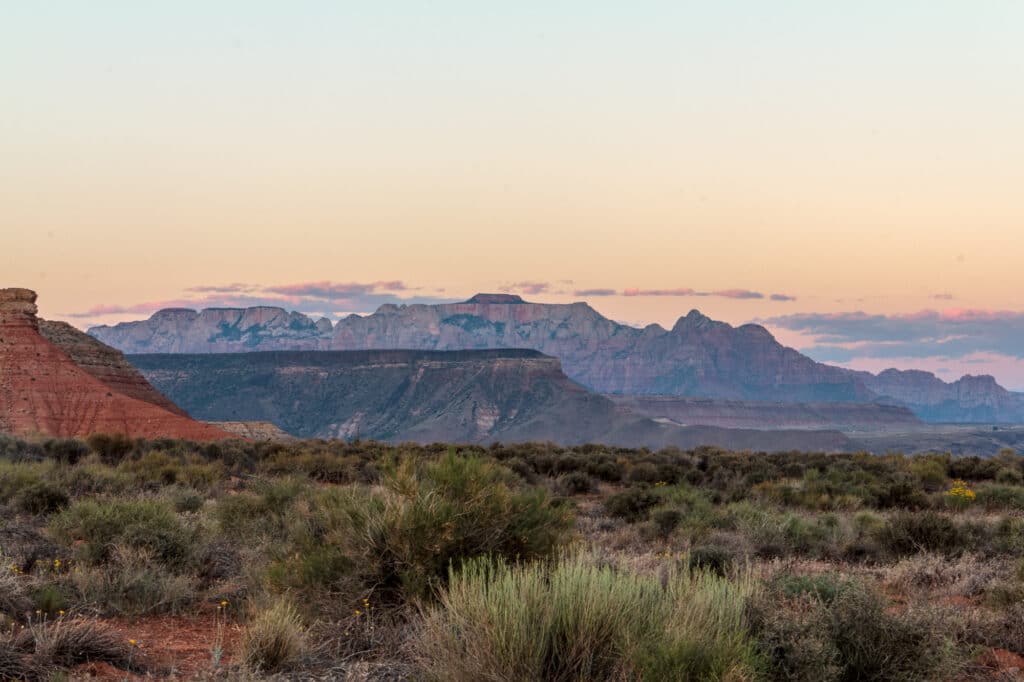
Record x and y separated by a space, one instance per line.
44 392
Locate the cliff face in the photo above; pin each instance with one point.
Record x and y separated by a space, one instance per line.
427 396
44 392
698 357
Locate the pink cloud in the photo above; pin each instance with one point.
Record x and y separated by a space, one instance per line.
528 287
683 291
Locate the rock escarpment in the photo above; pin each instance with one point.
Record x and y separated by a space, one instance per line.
44 392
428 396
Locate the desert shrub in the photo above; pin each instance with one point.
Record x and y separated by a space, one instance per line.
929 571
65 643
14 665
644 472
576 621
912 532
712 558
995 496
875 644
796 641
15 602
66 450
186 500
666 520
1007 536
141 524
16 477
134 583
522 468
632 504
575 483
274 640
845 630
111 448
604 469
1009 476
49 599
823 588
41 497
402 540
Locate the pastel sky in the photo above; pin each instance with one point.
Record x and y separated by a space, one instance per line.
849 174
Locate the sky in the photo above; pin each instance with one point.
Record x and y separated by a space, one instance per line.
847 174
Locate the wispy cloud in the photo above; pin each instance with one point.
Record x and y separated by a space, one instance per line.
529 288
660 292
319 298
336 290
734 293
235 288
953 333
683 291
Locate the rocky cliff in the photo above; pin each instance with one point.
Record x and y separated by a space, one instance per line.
426 396
44 392
697 357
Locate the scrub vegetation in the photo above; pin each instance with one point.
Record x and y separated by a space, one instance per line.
511 562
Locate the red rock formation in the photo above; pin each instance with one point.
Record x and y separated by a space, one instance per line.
43 391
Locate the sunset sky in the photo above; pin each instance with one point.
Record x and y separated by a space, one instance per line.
852 178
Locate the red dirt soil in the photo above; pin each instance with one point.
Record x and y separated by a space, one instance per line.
177 647
43 392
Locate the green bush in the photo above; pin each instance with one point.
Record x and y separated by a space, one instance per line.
111 448
274 640
717 560
912 532
842 631
41 497
874 644
575 483
401 541
141 524
666 520
576 621
632 504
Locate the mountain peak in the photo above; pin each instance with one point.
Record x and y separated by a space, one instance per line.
496 298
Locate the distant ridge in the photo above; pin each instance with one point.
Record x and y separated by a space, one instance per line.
697 357
470 396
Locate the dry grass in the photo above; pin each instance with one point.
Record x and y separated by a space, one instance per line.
275 639
67 642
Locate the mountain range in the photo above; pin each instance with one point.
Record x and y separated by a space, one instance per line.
697 357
